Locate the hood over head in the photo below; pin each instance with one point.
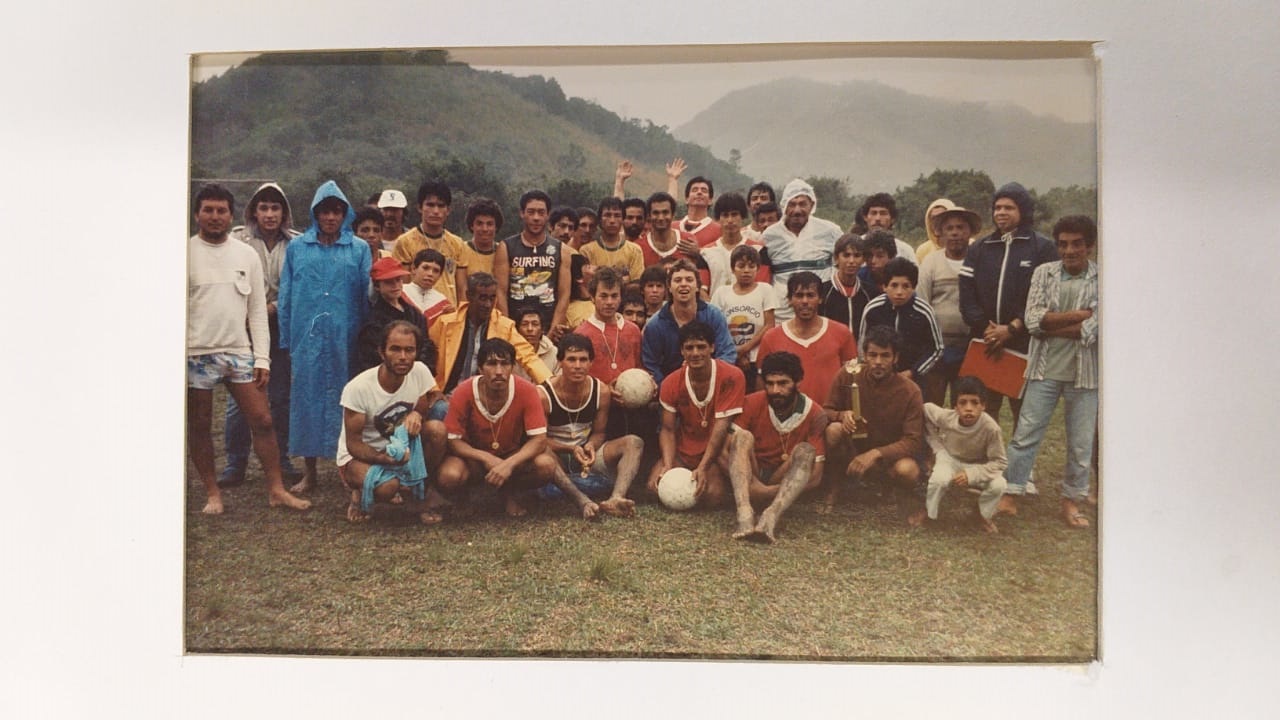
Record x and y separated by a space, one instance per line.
795 188
928 226
327 190
1019 195
269 190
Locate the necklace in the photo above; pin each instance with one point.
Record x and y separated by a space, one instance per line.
613 351
494 419
793 421
703 406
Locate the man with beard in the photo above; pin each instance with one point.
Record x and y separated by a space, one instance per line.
800 242
787 427
383 407
996 277
891 422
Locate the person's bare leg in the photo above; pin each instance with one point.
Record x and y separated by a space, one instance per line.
200 445
561 480
794 479
624 455
837 452
308 480
1007 506
906 472
352 475
253 405
741 447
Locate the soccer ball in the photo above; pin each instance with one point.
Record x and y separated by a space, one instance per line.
675 489
636 387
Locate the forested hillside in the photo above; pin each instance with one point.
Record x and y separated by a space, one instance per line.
391 119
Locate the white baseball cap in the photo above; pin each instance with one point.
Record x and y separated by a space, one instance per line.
392 199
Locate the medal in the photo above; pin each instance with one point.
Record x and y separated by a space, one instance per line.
494 444
613 366
785 456
704 422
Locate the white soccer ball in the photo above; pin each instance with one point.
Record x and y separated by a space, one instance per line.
636 387
675 489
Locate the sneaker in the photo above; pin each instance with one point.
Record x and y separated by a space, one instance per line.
1031 484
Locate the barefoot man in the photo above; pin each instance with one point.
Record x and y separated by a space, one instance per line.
226 294
577 407
386 406
497 430
786 426
699 401
892 421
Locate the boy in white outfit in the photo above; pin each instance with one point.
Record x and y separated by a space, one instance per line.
968 451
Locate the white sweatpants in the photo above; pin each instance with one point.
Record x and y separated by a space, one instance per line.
945 468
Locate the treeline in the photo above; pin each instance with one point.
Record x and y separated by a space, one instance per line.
972 189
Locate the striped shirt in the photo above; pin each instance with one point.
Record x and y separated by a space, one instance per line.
790 253
1043 298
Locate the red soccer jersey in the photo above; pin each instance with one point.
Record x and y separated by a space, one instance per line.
651 254
823 354
617 346
520 417
773 439
728 387
704 232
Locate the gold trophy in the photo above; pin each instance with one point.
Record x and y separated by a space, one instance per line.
855 399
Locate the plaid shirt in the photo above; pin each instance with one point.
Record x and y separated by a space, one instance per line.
1043 298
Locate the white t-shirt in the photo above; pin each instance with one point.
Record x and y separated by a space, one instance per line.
382 410
745 313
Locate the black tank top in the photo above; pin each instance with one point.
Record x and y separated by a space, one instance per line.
533 273
571 426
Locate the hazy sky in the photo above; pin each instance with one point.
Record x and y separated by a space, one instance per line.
669 85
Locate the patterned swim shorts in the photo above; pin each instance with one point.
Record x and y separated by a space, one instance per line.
204 372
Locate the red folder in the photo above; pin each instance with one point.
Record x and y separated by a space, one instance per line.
1003 373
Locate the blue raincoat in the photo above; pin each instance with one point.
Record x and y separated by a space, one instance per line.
324 295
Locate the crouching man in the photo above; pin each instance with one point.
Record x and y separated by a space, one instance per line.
892 424
699 400
386 444
786 426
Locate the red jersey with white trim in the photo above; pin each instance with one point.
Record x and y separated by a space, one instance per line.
519 418
617 346
652 256
774 438
728 388
823 354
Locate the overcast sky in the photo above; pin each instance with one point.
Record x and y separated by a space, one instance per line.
669 85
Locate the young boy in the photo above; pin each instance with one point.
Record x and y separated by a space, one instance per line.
633 308
968 450
731 213
528 320
653 283
845 295
368 227
428 266
901 309
878 248
748 307
389 304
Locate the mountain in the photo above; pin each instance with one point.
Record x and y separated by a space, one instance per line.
372 120
881 138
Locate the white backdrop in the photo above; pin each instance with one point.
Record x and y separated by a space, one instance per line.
98 96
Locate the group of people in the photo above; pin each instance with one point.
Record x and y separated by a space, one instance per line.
426 364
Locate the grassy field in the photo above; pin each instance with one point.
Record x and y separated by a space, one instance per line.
856 584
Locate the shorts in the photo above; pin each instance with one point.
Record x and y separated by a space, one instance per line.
204 372
597 484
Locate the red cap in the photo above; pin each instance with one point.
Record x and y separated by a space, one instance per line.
387 269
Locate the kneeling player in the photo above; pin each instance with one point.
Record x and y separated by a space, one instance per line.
497 430
787 429
892 424
577 407
699 400
385 445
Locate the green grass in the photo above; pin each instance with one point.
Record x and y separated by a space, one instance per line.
857 584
